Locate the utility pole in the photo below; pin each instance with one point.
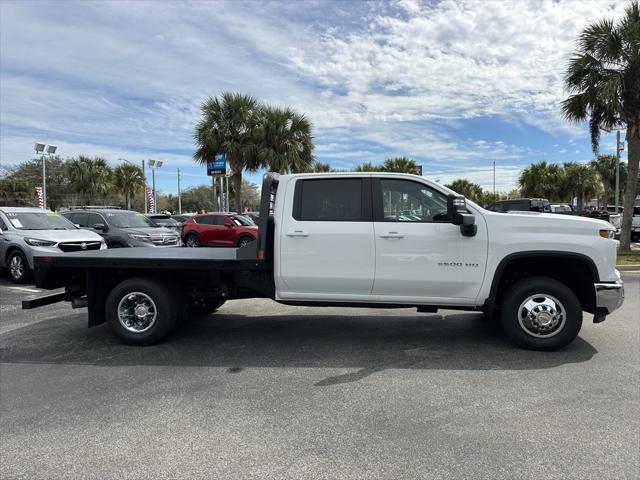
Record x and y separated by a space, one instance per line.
494 180
213 189
179 195
144 190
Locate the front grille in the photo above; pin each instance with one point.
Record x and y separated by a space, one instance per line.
77 246
166 240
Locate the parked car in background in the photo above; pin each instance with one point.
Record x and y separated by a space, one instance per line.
25 232
218 229
123 228
165 220
181 218
635 225
562 208
521 205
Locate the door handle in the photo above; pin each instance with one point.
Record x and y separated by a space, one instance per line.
392 235
297 233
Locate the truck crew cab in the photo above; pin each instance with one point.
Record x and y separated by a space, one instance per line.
361 240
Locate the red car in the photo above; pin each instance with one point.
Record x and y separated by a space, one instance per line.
219 229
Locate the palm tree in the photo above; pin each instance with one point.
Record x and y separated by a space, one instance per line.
284 141
320 167
541 180
400 165
128 179
367 167
605 166
228 126
89 177
580 181
470 190
603 80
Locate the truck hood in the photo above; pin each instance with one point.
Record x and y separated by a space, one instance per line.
547 222
78 235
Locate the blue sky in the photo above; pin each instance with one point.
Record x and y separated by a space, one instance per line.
455 85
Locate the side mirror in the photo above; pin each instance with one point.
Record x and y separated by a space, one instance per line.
228 225
457 214
100 226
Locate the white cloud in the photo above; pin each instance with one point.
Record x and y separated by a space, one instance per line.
127 78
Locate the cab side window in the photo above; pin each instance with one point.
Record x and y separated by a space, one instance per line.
408 201
3 226
330 200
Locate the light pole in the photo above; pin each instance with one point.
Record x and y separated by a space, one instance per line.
179 195
40 150
153 165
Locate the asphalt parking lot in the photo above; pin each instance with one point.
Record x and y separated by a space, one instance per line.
262 390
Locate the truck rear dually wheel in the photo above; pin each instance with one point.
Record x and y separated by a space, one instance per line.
141 311
540 313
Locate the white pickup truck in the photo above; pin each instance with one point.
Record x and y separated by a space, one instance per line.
361 240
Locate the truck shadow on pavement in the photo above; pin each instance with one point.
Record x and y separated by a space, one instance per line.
368 344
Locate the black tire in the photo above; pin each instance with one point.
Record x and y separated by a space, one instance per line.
116 245
549 296
205 306
244 240
163 300
18 267
192 240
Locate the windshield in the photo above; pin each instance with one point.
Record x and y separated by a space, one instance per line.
129 220
244 221
39 221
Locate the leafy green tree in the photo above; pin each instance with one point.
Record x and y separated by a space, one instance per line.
541 180
30 172
400 165
195 199
470 190
603 81
90 178
284 141
229 126
16 193
128 179
579 181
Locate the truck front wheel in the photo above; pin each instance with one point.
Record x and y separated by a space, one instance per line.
141 311
541 313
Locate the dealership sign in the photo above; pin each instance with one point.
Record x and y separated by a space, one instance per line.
217 166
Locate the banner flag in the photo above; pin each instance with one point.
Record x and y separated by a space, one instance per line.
40 197
152 203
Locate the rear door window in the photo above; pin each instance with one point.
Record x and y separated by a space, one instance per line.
329 200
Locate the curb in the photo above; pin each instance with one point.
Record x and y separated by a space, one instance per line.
628 268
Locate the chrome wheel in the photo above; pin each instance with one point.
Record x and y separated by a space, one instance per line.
244 241
16 267
192 241
137 312
542 316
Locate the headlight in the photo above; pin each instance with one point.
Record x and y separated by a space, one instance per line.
138 236
36 242
103 245
608 233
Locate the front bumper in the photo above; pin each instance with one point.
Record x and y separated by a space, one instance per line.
609 297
